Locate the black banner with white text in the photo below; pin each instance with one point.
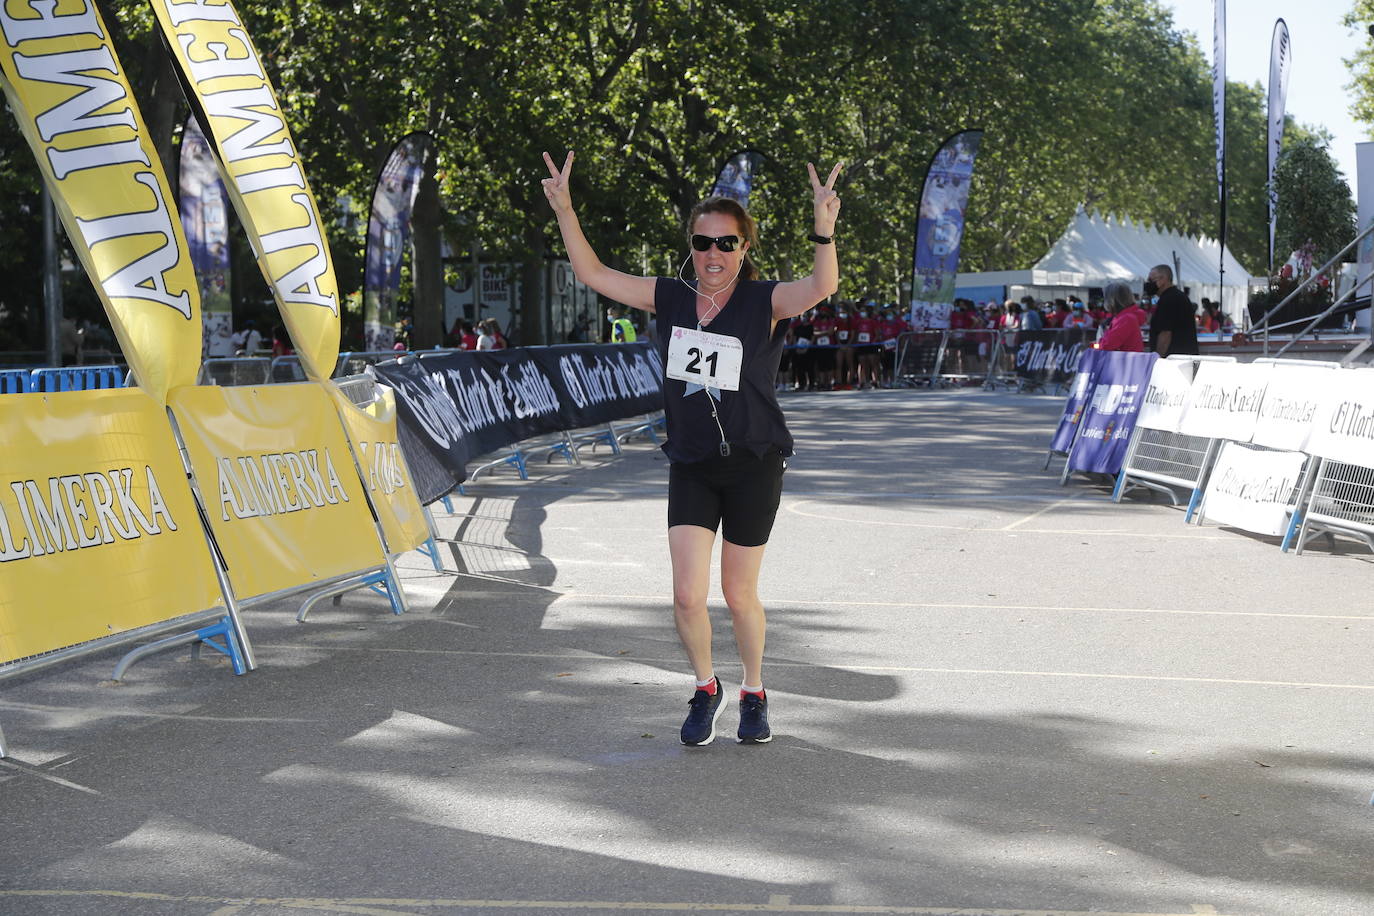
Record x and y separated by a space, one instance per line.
462 404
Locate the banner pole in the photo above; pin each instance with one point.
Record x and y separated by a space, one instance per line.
52 282
231 606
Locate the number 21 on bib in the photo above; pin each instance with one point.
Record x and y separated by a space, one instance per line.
706 359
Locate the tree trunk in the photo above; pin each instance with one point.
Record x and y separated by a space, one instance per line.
164 108
427 266
532 331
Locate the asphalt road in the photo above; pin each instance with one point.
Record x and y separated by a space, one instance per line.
991 695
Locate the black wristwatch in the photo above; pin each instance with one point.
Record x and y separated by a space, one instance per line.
821 239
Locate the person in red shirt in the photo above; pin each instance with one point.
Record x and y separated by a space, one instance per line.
1127 320
844 338
1055 319
865 337
467 339
823 357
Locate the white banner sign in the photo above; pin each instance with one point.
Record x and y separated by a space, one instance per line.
1249 488
1291 402
1167 398
1225 400
1343 429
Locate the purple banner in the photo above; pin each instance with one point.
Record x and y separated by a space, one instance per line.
1079 392
204 207
736 178
940 230
388 233
1122 380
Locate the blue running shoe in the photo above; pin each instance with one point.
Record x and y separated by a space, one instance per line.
753 720
700 727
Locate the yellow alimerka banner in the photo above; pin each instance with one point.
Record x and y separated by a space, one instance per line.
261 169
98 528
372 430
279 484
73 104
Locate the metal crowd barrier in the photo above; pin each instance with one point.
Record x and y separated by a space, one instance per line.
1160 460
235 370
76 378
14 381
916 362
1341 502
968 356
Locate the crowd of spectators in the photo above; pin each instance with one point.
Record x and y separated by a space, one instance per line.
1029 314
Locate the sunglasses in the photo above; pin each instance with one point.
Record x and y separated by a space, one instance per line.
722 242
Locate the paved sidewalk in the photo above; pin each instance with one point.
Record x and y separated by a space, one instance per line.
991 695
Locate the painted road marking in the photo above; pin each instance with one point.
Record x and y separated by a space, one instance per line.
1021 608
777 903
795 510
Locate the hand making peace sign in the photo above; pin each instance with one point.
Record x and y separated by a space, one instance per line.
827 201
556 187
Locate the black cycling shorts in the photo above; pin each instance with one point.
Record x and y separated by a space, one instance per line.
738 494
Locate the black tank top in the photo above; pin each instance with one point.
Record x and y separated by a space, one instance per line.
750 417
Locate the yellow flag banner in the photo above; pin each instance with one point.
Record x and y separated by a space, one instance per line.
372 430
225 79
72 101
98 528
279 483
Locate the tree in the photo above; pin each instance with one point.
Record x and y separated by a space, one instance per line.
1314 201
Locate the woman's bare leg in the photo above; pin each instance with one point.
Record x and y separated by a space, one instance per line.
739 580
689 546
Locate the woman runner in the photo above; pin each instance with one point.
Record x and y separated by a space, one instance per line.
720 337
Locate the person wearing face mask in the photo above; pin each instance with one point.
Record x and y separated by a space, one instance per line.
720 338
1173 329
622 329
844 338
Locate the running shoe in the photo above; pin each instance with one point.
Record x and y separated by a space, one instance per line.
700 727
753 720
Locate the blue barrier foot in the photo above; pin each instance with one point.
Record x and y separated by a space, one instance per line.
229 647
431 549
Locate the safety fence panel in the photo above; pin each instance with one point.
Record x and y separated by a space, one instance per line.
14 381
368 411
1341 501
235 370
458 405
1254 488
1160 456
283 496
968 356
1119 383
77 378
918 357
1045 358
99 533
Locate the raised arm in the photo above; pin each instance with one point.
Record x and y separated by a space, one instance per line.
793 298
636 292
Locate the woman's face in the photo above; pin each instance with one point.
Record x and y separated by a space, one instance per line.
716 269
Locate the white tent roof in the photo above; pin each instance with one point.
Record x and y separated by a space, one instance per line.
1102 249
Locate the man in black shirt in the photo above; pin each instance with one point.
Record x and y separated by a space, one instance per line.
1173 329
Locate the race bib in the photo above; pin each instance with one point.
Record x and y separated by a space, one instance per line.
703 358
823 341
843 335
864 337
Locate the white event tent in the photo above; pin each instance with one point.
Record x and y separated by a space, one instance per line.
1096 250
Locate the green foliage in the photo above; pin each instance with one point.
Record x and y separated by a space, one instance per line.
1314 202
1094 102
